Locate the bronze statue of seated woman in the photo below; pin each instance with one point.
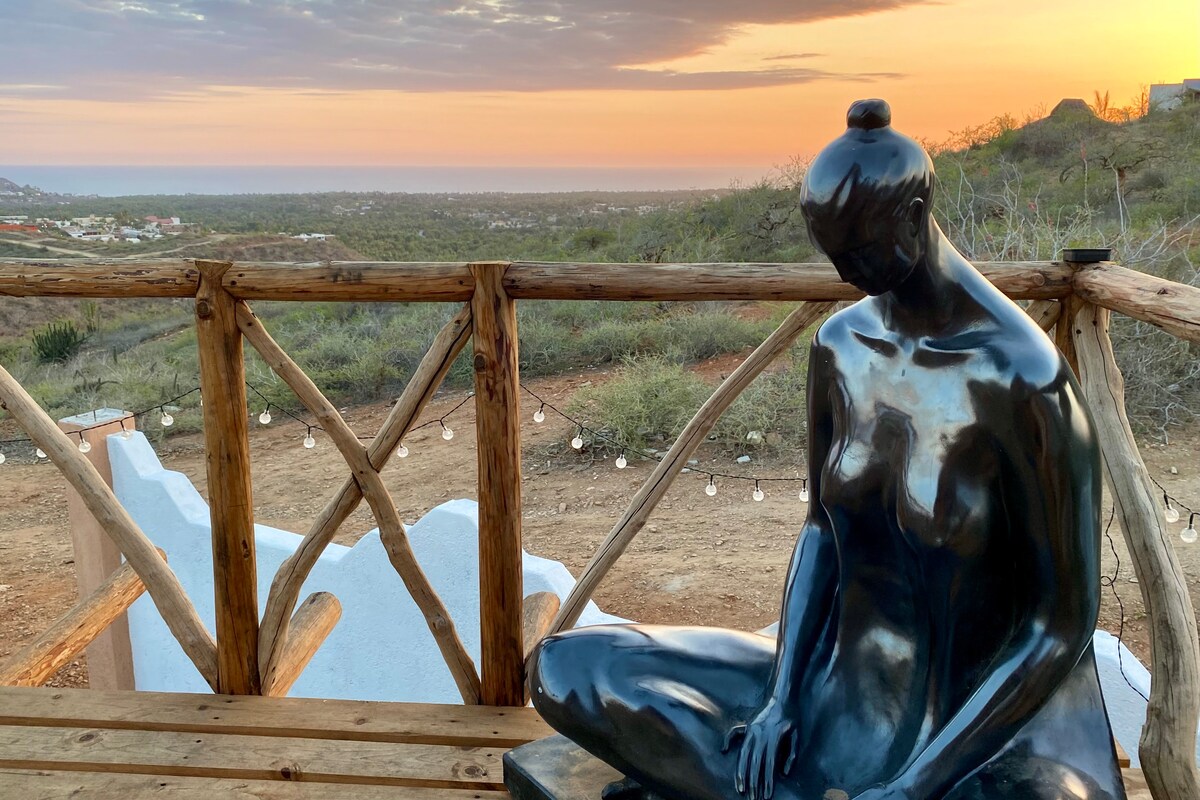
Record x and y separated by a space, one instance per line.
935 639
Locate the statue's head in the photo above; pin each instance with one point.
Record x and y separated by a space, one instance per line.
866 199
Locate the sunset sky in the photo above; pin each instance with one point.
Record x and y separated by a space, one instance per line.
624 83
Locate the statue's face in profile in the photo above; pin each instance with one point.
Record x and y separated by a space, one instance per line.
873 249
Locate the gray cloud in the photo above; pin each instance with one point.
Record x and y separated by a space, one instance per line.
117 49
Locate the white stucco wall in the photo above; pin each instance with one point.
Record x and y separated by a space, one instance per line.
381 648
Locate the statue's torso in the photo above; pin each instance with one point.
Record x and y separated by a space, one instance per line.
914 486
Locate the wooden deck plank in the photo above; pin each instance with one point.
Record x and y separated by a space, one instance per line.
50 785
250 757
1135 785
352 720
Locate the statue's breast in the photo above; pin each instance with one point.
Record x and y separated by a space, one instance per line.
911 438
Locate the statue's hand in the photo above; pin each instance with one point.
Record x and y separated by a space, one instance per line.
763 738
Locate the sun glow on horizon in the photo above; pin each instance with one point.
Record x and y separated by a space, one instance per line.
942 67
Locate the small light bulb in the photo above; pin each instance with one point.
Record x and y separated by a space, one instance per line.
1171 514
402 452
804 494
539 416
758 495
621 462
310 442
167 420
3 458
126 433
40 453
265 417
711 489
447 434
1189 534
577 442
85 446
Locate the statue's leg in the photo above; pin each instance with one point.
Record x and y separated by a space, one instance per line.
1065 752
654 702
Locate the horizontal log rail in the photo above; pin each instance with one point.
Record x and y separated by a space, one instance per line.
381 281
1174 307
36 662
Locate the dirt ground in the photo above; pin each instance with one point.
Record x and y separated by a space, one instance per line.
701 560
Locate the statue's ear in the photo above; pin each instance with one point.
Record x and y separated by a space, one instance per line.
916 216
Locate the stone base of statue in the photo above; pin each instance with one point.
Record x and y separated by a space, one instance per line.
556 769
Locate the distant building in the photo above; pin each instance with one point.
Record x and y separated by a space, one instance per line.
313 237
1170 96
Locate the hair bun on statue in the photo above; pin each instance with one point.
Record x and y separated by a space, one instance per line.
868 115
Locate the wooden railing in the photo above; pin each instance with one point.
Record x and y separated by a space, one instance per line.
252 656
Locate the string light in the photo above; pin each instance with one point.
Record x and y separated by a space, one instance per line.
39 452
167 420
403 451
265 417
309 441
447 434
711 489
804 490
758 493
125 432
577 442
3 458
85 446
539 416
1170 513
621 462
1188 534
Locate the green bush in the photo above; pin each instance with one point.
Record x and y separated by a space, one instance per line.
650 400
58 342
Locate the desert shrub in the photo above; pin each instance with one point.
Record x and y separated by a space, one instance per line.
649 401
652 397
58 342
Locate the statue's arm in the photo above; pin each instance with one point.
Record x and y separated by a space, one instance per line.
1051 486
808 601
810 588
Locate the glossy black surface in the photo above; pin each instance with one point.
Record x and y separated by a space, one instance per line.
935 640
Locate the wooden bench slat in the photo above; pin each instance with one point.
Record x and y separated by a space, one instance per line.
354 720
52 785
250 757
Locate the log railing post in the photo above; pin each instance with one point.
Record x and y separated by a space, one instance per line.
97 557
497 404
227 449
1168 743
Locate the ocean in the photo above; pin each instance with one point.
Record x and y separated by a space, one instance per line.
112 181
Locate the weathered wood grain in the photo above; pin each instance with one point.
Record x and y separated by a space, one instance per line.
101 278
527 280
230 494
498 426
62 784
36 662
1174 307
1168 744
311 626
251 715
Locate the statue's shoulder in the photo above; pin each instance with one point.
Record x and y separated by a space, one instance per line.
837 329
1026 358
